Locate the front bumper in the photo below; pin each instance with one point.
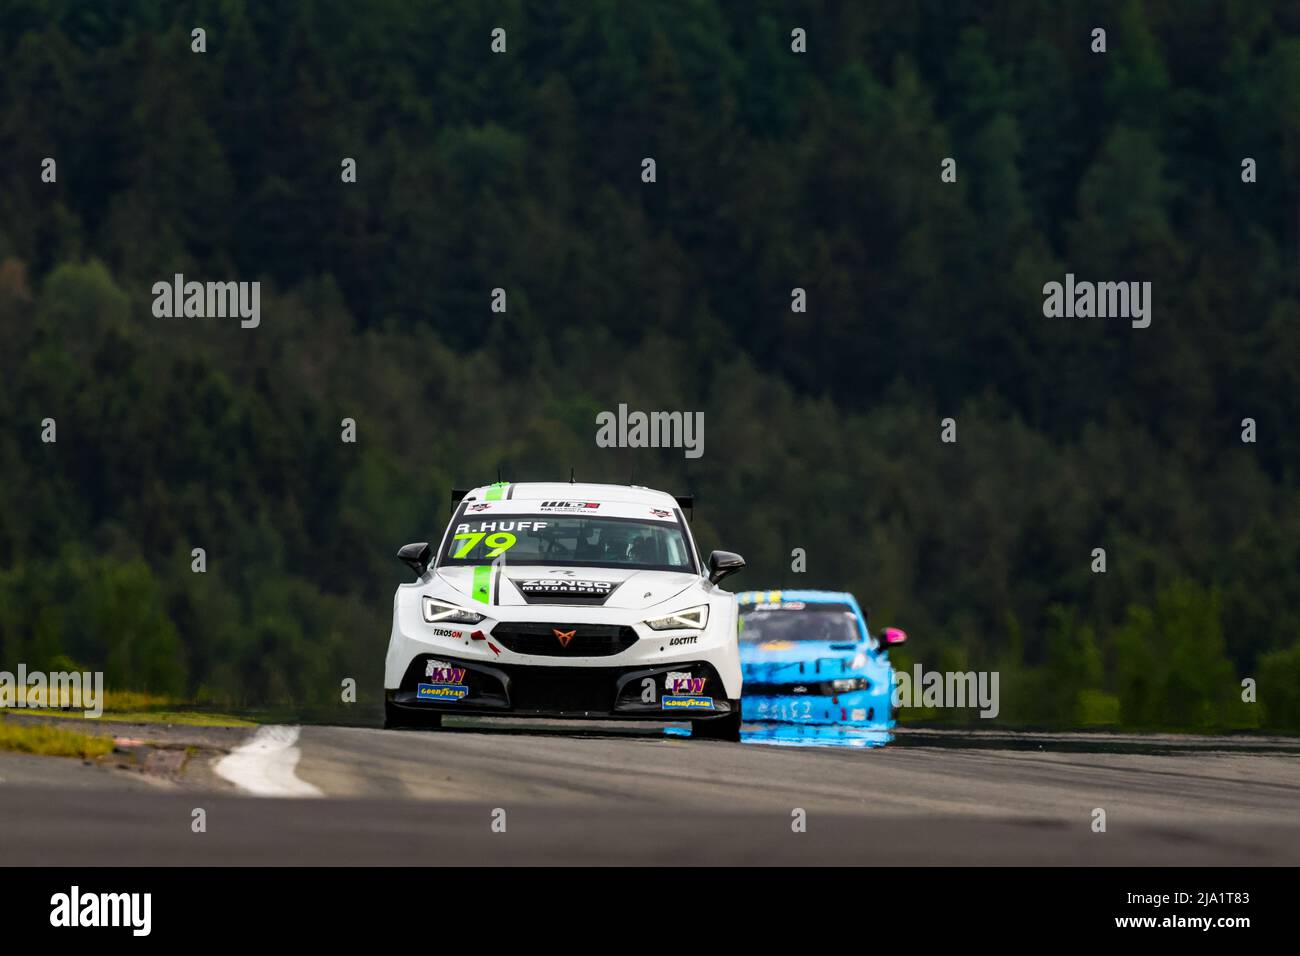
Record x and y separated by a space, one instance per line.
854 708
598 643
501 690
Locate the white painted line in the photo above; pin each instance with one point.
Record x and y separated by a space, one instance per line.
264 765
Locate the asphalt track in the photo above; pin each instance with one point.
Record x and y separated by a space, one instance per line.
566 793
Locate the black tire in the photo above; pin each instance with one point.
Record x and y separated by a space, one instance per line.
396 718
718 728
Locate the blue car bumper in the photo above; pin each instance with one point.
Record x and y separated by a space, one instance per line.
857 708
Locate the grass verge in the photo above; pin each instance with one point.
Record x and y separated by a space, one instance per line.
50 741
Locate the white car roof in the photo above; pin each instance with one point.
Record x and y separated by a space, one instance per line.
579 491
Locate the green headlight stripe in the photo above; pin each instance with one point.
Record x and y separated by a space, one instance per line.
482 589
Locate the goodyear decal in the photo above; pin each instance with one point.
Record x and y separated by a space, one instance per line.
676 702
441 691
482 588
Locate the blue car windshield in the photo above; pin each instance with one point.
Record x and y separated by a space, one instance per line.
834 623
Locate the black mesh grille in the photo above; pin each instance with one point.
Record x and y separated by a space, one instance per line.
587 640
569 690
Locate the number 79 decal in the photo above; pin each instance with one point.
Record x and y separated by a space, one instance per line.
498 544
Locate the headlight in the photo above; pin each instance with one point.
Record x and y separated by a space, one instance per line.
440 612
695 617
845 684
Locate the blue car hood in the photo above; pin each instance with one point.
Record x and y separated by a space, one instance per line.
792 662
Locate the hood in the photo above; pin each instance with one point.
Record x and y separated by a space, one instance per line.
798 662
791 652
519 585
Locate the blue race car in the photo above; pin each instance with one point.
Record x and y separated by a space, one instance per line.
808 658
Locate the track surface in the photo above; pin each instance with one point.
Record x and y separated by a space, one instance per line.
576 794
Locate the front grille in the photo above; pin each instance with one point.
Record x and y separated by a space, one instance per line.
562 689
588 640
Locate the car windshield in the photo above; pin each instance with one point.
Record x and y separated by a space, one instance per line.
835 623
569 541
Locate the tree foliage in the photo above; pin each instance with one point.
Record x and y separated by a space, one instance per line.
776 170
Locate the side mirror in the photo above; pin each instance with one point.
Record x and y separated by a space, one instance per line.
891 636
722 563
416 556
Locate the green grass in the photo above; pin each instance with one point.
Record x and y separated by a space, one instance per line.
145 708
51 741
188 718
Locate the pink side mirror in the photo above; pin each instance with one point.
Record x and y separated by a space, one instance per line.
893 635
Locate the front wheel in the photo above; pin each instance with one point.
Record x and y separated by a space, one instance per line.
718 728
397 717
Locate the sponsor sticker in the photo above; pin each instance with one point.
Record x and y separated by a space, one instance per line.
443 672
660 513
441 691
684 683
676 702
575 586
674 641
447 632
570 507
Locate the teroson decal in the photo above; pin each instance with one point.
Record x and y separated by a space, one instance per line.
577 586
570 506
445 632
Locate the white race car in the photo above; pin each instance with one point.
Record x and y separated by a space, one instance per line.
565 600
